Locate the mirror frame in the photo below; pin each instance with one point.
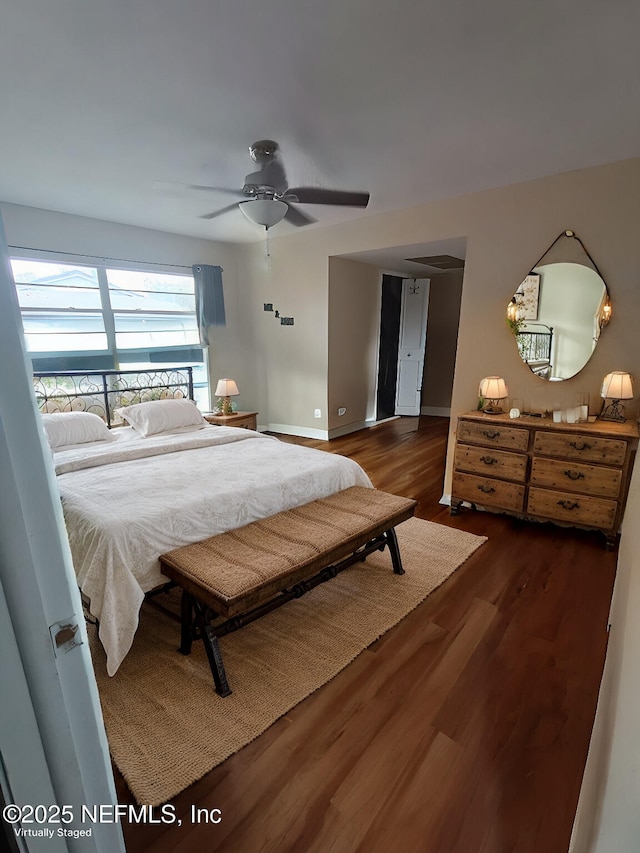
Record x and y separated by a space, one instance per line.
541 341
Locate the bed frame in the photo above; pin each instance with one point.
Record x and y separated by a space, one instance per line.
104 391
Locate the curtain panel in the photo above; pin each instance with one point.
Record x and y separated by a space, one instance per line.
209 299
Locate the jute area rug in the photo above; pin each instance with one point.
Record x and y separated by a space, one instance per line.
165 724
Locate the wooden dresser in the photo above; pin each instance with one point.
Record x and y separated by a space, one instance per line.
574 474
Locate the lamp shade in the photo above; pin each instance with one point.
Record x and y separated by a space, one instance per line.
617 386
494 388
264 211
226 388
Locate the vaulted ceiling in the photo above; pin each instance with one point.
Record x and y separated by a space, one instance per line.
112 109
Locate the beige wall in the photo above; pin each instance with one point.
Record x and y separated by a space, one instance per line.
354 321
507 230
288 364
445 293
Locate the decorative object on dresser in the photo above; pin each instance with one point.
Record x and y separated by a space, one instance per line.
616 386
540 470
492 390
225 389
245 420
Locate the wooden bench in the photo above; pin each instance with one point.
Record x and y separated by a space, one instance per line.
245 573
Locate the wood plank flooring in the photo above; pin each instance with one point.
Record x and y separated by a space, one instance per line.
464 729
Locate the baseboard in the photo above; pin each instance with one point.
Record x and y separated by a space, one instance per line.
336 432
289 429
436 411
322 434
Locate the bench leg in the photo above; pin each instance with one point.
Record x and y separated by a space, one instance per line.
394 550
212 649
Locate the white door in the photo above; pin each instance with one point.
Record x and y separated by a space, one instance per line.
67 760
411 345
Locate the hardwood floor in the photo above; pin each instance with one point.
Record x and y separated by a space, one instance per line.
464 729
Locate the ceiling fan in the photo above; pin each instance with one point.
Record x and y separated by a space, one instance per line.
268 198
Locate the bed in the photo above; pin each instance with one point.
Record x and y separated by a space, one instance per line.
129 497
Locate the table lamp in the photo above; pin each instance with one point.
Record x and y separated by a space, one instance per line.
225 389
616 386
493 389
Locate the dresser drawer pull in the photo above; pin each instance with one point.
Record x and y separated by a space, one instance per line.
569 504
489 460
579 445
574 475
491 433
486 489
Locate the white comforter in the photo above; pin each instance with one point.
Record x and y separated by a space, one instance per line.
127 501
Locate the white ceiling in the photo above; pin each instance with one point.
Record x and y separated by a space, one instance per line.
110 107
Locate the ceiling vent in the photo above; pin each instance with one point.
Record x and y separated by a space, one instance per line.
440 262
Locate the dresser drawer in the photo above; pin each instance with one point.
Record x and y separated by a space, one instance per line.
576 446
493 435
491 462
572 508
576 477
245 423
488 492
240 420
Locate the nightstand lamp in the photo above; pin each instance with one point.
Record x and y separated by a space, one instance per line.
493 389
226 389
616 386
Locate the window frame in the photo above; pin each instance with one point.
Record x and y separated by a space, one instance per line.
113 357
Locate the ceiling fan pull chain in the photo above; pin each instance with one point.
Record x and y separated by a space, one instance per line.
267 250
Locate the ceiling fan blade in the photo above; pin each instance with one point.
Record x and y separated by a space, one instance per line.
296 217
317 195
227 190
219 212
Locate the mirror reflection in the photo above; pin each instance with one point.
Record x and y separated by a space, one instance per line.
558 312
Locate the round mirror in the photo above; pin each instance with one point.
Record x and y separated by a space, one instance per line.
559 310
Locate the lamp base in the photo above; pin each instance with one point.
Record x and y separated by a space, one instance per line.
493 410
613 412
224 406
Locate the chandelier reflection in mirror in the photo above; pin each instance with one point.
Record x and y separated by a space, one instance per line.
559 310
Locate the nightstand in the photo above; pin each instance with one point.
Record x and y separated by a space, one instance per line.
244 420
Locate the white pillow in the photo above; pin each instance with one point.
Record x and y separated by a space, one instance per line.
64 428
158 416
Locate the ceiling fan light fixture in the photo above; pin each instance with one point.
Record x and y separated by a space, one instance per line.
264 211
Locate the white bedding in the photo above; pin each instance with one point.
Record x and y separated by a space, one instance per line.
128 501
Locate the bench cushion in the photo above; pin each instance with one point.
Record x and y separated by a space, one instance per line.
237 569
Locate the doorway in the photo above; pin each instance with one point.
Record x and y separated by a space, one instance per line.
390 310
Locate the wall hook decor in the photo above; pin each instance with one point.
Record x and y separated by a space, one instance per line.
284 321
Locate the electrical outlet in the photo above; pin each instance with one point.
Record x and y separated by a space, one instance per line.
342 411
317 413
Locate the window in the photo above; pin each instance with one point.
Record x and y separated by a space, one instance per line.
78 317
